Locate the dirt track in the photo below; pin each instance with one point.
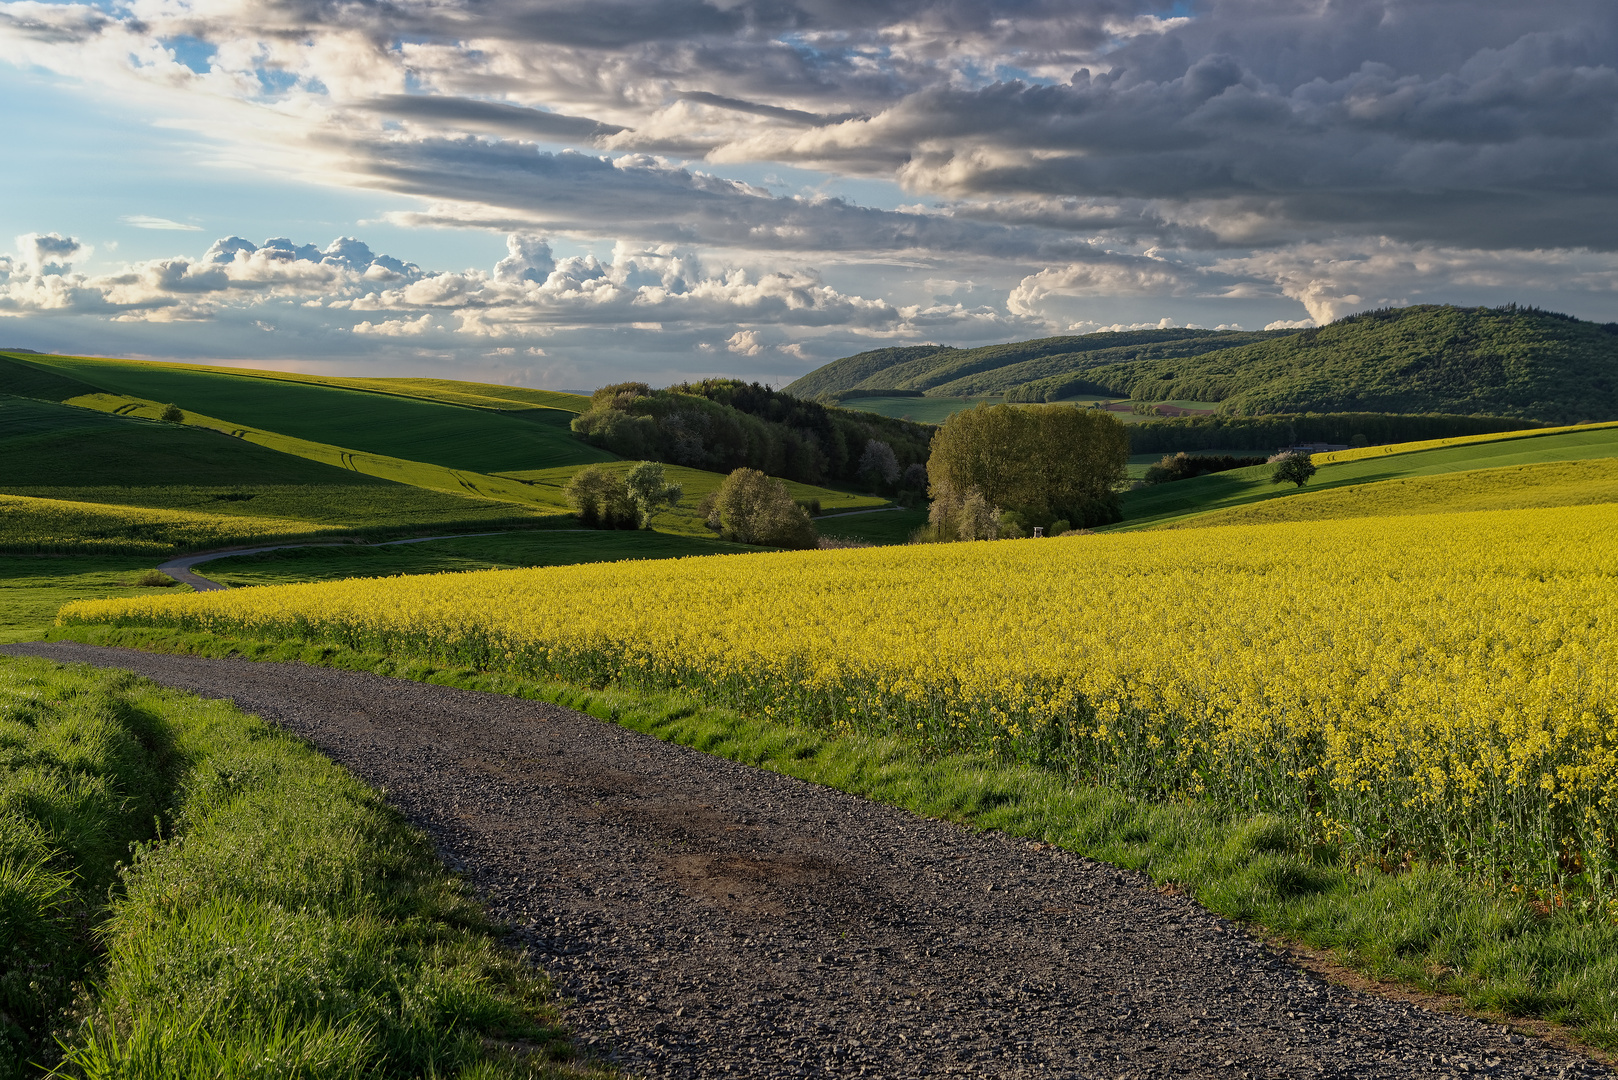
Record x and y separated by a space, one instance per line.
710 919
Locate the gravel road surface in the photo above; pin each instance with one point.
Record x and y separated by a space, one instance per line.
713 920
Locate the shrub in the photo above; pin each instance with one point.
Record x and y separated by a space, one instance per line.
756 509
172 414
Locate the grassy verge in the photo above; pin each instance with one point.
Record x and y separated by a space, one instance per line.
285 923
882 527
1421 925
83 773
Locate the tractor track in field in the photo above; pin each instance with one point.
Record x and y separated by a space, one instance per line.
709 919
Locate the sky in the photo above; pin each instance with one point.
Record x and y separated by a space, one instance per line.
568 193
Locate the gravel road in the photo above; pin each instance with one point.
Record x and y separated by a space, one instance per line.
714 920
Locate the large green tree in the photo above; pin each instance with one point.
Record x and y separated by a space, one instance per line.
1046 462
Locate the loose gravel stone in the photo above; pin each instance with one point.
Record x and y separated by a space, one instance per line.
707 919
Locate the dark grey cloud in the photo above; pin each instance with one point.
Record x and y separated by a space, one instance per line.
774 112
583 193
490 116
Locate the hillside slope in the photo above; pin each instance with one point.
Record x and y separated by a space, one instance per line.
1509 361
1499 361
1183 500
944 371
456 436
1516 487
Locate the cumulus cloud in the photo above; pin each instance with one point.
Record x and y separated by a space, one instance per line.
529 292
47 254
1142 276
397 327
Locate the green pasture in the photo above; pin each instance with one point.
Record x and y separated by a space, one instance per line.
418 474
880 527
924 410
1164 503
45 445
560 547
1514 487
367 509
453 436
16 369
32 588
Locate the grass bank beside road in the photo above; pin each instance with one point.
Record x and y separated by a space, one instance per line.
1422 925
277 918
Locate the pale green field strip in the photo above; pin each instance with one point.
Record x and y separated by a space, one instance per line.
1338 457
400 470
409 428
1165 503
1517 487
447 391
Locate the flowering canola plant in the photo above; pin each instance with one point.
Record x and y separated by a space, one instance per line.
1440 685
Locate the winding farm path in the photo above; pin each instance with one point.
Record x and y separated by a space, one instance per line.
181 569
711 919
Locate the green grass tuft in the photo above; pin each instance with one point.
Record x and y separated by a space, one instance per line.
286 922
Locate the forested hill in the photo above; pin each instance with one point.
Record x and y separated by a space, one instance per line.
1506 361
943 371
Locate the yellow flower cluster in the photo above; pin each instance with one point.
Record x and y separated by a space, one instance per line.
1446 685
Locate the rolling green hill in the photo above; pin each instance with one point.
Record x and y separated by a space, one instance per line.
60 446
1189 500
456 436
1510 361
1516 487
1053 363
171 487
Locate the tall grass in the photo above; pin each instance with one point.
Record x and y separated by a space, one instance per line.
84 771
285 923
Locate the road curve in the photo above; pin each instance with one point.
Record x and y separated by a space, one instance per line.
711 919
180 569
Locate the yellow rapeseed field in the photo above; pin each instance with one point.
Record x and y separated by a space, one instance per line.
1441 686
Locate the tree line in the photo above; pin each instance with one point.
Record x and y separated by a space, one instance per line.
725 424
1266 432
